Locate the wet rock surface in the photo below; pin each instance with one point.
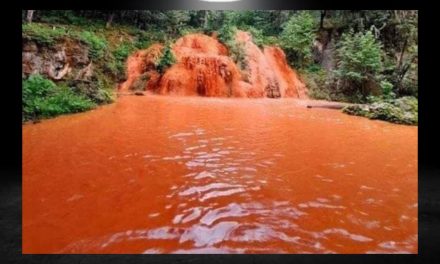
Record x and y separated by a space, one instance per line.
203 68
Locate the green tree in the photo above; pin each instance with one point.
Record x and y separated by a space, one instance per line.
359 60
297 37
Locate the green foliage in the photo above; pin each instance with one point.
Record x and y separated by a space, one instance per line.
257 36
97 44
268 22
359 56
98 89
36 85
166 60
47 35
320 86
120 55
359 64
146 38
43 34
376 50
112 67
43 98
401 111
227 33
297 37
215 20
62 101
315 79
387 89
182 31
64 17
236 49
176 19
73 19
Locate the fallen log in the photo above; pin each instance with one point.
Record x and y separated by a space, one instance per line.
130 93
329 106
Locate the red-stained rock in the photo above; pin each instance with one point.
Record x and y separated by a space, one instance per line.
138 63
288 80
203 68
268 71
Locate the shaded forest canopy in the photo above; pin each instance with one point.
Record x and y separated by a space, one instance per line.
348 55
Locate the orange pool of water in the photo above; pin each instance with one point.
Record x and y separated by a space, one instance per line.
159 174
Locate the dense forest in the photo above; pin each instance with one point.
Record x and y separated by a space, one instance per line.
368 58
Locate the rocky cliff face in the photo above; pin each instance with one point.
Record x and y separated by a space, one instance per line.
204 68
68 62
67 59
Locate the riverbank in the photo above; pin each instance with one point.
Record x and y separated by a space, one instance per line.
407 114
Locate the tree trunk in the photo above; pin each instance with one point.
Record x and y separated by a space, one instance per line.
110 20
30 15
205 20
399 64
400 67
321 23
402 72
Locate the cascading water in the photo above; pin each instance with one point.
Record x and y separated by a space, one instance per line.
204 68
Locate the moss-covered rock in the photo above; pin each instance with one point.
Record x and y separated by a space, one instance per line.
401 111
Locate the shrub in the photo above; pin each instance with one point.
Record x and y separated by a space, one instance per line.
260 39
122 51
42 33
315 79
236 49
97 45
238 54
182 31
226 33
98 90
321 85
63 101
36 85
166 60
110 66
43 98
120 55
257 36
145 38
401 111
387 89
297 38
